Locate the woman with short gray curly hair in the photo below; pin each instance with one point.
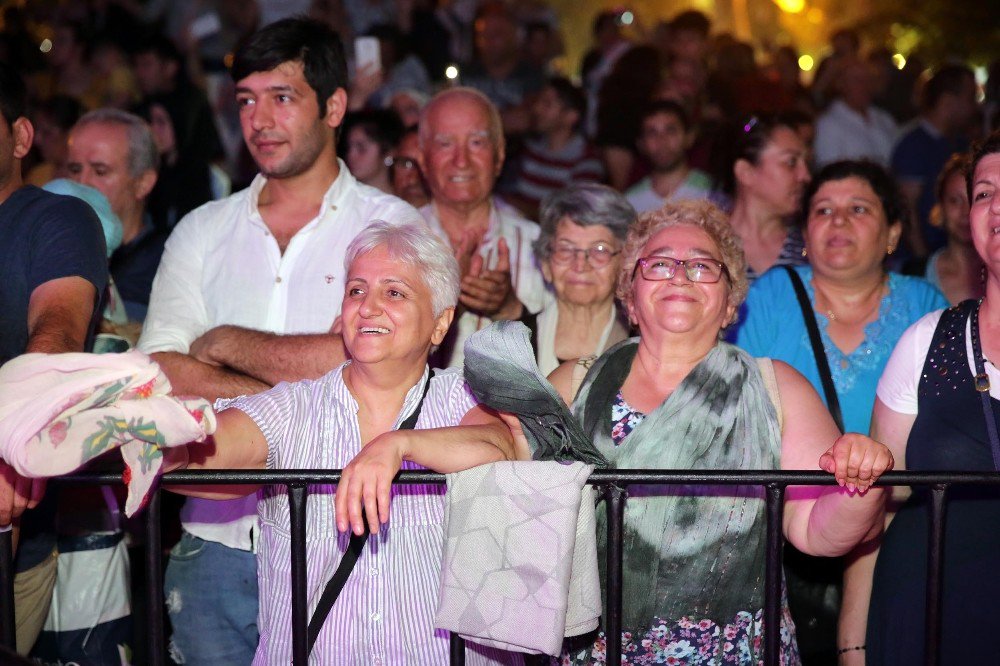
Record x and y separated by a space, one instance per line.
583 228
678 397
696 213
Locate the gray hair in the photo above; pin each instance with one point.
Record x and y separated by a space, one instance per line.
418 246
142 153
495 123
587 204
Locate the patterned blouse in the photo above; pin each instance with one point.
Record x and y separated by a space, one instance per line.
687 640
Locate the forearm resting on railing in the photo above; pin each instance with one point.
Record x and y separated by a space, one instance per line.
237 444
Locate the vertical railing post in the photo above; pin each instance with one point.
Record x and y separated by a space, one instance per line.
935 562
615 505
772 573
297 509
156 642
8 636
457 650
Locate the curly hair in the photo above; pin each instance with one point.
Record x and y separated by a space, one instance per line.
695 213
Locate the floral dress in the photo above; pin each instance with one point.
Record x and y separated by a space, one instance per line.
687 640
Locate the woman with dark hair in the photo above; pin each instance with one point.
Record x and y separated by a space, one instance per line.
852 313
934 404
956 269
764 173
185 180
369 138
852 222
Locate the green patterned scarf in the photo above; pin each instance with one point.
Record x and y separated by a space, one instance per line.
693 550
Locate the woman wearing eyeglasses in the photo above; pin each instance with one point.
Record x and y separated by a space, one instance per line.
677 397
583 227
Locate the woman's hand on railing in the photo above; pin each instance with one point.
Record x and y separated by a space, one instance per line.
366 483
857 461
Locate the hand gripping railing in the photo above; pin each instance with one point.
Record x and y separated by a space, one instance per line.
615 484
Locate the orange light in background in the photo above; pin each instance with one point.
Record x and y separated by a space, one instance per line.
791 6
806 63
815 16
898 60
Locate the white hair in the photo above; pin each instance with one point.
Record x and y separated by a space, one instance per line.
418 246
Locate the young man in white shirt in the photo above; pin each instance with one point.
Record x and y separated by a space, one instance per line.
247 295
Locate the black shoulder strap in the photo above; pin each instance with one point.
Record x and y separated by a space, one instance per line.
354 548
809 316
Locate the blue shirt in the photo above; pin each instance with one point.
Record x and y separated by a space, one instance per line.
771 325
918 157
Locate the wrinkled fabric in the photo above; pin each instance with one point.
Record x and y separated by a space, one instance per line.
59 411
693 550
501 371
526 528
520 552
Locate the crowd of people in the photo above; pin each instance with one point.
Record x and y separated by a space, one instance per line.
720 267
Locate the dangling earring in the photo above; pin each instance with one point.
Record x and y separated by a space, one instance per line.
890 249
804 252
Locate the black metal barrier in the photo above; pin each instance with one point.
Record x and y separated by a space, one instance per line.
615 484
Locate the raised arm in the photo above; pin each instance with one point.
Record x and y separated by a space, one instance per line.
480 438
267 357
824 520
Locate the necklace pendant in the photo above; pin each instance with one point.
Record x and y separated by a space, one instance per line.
844 363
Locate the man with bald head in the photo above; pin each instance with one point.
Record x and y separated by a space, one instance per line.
461 154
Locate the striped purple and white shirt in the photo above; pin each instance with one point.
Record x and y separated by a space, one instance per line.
385 613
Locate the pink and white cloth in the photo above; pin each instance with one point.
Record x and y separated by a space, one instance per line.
59 411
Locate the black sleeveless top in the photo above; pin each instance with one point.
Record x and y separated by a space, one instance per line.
949 434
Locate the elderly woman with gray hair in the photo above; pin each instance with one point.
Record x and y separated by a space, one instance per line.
379 412
583 228
677 397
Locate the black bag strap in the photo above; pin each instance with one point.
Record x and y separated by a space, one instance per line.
809 316
983 385
357 544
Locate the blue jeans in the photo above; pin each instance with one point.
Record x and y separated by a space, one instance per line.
211 594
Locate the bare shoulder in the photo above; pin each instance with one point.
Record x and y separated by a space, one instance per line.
562 380
791 382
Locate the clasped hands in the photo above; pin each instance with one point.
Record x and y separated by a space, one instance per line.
485 291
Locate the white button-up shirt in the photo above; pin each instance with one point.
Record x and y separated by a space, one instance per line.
222 265
844 134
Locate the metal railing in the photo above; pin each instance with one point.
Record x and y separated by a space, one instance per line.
615 484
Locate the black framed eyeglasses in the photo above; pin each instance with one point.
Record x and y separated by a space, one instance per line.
697 269
598 256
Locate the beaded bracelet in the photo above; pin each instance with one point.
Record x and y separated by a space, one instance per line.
850 649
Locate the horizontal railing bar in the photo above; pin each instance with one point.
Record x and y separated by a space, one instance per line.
618 476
